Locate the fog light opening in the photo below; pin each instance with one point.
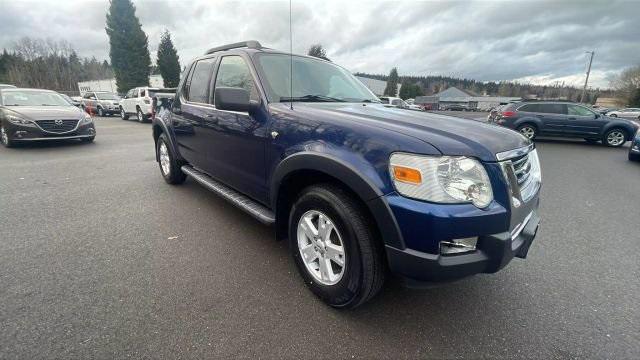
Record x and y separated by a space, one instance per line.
458 246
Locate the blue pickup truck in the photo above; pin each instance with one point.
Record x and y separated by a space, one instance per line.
359 190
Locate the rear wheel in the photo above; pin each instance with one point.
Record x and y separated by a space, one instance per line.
123 114
169 167
529 131
334 247
141 117
614 138
100 112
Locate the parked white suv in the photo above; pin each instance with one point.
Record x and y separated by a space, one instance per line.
137 102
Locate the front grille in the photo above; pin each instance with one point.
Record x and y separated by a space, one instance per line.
51 126
522 168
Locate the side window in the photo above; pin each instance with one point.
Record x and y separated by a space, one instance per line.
534 108
384 100
554 108
143 92
234 72
395 102
578 111
198 87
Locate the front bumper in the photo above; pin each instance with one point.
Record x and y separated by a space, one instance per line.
492 254
26 133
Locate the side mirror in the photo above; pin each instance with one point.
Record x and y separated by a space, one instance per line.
232 99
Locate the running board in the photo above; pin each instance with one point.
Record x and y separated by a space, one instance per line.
254 209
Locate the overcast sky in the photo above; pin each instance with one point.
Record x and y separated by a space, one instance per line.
535 41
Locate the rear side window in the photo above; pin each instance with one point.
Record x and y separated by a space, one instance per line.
234 72
143 92
553 108
198 88
530 108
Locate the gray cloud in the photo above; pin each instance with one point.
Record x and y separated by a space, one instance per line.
541 41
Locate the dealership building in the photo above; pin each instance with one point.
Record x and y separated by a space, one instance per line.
455 96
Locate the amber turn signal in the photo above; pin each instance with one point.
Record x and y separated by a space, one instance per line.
405 174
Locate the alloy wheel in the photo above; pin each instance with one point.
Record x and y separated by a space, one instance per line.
100 112
321 247
165 161
122 113
140 116
3 136
615 138
528 132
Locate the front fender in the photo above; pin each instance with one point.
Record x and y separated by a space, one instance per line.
368 188
629 129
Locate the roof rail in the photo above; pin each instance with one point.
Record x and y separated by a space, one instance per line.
251 44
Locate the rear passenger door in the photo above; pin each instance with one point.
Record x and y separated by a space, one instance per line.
190 112
582 122
554 118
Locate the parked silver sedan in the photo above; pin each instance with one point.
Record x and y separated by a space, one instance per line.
629 113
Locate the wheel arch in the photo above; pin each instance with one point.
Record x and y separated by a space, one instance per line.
628 130
305 169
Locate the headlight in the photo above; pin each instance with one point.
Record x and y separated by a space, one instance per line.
441 179
18 120
86 119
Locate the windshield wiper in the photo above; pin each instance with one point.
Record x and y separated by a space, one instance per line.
311 98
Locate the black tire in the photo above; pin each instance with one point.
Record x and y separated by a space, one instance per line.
6 141
141 117
613 115
634 157
364 270
607 141
175 175
123 114
534 131
100 112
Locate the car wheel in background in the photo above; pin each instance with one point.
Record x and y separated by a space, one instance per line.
334 247
141 117
169 167
4 138
100 112
614 138
123 114
529 131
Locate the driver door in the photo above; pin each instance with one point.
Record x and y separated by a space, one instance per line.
582 122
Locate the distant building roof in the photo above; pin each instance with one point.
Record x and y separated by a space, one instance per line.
376 86
452 92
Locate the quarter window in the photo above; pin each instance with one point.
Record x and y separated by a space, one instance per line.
534 108
198 88
234 72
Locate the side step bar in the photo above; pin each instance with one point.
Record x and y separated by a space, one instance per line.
254 209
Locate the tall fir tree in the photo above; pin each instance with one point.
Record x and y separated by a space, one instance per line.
392 83
129 51
168 61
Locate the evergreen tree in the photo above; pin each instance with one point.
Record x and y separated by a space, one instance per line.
318 51
168 62
129 50
635 99
392 83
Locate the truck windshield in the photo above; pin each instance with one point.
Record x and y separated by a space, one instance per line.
32 98
313 80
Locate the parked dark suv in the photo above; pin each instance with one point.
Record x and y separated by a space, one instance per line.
564 119
357 188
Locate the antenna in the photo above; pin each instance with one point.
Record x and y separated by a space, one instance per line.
291 59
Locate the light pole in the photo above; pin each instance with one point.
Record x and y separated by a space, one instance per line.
584 89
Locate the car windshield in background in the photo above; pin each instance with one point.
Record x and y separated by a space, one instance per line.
32 98
107 96
313 80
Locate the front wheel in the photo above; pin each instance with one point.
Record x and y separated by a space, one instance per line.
4 138
169 167
528 131
614 138
100 112
334 247
123 114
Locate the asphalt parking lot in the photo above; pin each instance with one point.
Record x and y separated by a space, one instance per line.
100 258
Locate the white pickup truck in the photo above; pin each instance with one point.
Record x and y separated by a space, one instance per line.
137 102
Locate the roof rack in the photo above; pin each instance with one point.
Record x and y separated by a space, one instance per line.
251 44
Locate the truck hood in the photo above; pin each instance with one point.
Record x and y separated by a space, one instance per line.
46 112
450 135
